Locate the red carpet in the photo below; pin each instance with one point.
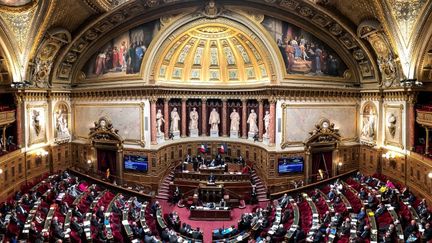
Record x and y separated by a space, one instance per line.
207 227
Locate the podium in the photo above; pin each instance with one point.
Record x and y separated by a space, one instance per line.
211 192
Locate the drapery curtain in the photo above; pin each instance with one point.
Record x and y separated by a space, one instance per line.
322 160
106 159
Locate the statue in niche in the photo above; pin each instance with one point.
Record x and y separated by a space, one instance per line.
368 128
235 120
391 124
193 123
159 121
211 10
62 124
175 118
36 122
252 120
266 124
214 120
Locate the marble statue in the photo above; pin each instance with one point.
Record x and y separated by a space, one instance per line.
252 120
175 118
193 123
235 120
62 124
159 121
214 120
368 129
36 122
266 124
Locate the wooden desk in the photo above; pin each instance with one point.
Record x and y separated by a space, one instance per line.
143 221
296 219
30 218
125 220
315 215
109 234
346 202
201 176
210 214
87 225
394 215
373 224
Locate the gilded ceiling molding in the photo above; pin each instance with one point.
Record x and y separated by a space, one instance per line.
388 63
312 13
19 25
423 62
396 15
25 5
40 68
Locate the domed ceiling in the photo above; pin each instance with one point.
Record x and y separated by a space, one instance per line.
212 53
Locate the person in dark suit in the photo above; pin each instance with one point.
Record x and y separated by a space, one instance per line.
370 200
241 161
427 234
101 234
137 231
77 213
19 209
346 226
280 232
57 229
100 213
195 164
326 218
222 203
75 226
299 235
284 201
188 158
212 178
411 229
365 234
318 236
90 198
94 221
64 208
34 234
154 208
165 235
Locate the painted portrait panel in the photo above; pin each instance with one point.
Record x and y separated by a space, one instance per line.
302 52
122 55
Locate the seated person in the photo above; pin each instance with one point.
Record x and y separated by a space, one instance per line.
77 227
380 210
364 233
212 178
411 229
222 203
427 233
100 213
362 194
280 232
283 202
361 214
155 207
188 158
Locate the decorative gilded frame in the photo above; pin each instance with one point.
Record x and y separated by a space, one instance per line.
399 143
140 105
284 141
44 138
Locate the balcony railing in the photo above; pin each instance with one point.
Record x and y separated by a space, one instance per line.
7 117
424 117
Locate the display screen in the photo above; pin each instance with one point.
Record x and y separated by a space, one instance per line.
290 165
136 163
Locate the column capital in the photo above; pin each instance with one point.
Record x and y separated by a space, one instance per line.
260 101
184 99
244 100
224 99
166 100
153 99
204 99
272 100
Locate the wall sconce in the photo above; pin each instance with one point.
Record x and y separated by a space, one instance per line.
429 175
389 155
1 171
340 164
41 153
89 161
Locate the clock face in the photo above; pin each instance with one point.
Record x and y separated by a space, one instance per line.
325 125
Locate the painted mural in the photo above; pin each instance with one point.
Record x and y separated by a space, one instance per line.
123 54
302 52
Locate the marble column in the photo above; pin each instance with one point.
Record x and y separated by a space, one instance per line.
183 118
272 125
204 117
19 120
260 119
166 118
224 118
244 118
153 120
411 126
427 141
